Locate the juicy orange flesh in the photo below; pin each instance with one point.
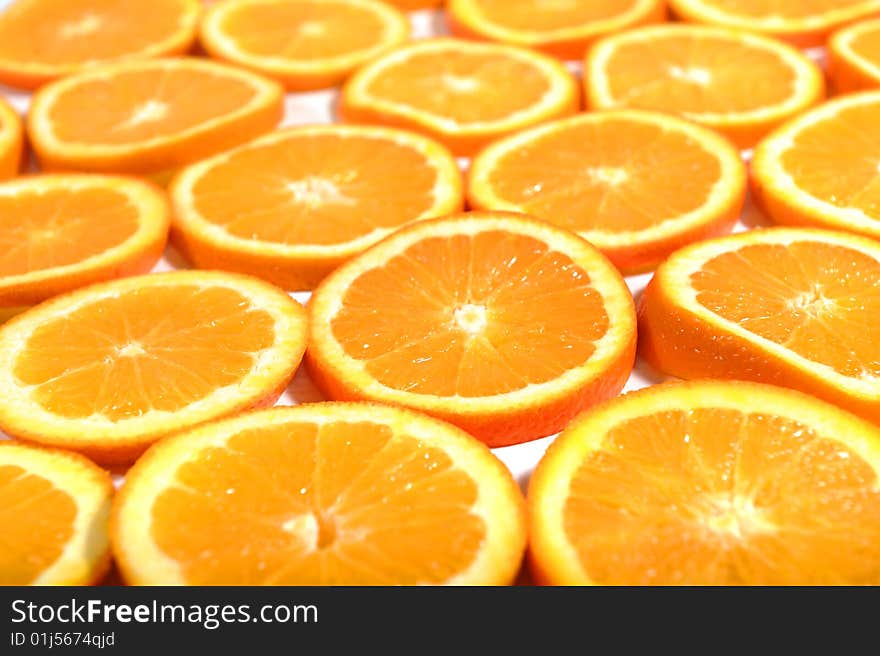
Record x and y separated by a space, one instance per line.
316 189
37 520
78 31
866 44
336 503
697 74
836 160
465 87
603 176
303 30
819 300
780 8
58 227
471 316
538 15
140 105
153 348
717 496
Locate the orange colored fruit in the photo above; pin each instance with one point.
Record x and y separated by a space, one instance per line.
149 117
742 85
41 40
462 93
320 494
293 205
805 24
61 232
111 368
11 141
563 28
413 5
823 168
792 307
637 185
55 510
499 323
304 44
709 483
854 57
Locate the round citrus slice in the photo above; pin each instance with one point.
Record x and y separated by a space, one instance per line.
320 494
149 117
805 24
823 168
60 232
463 93
305 44
792 307
854 57
637 185
109 369
11 141
55 510
293 205
499 323
709 483
41 40
742 85
563 28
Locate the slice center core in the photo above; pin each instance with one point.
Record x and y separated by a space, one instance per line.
698 76
471 318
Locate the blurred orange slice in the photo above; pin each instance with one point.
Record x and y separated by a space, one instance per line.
462 93
320 494
305 44
293 205
149 117
11 141
854 57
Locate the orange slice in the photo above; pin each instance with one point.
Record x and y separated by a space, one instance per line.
60 232
637 185
149 117
11 140
823 168
804 24
293 205
54 514
499 323
305 44
854 57
41 40
111 368
709 483
563 28
793 307
463 93
320 494
743 85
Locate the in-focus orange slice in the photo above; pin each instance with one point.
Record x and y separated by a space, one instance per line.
742 85
61 232
637 185
320 494
41 40
854 57
709 483
463 93
792 307
293 205
149 117
54 515
11 140
113 367
804 23
502 324
305 44
823 168
563 28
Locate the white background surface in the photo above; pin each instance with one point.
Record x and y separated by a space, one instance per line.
318 107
